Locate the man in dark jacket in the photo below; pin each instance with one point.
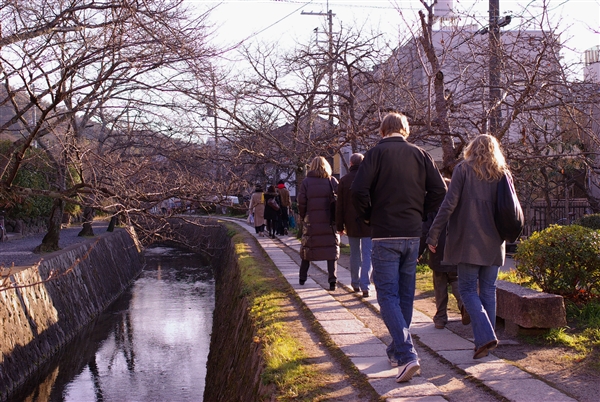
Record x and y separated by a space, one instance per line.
359 234
286 203
443 275
396 186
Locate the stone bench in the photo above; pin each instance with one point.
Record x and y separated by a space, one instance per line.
528 311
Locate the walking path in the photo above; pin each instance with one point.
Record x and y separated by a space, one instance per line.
368 353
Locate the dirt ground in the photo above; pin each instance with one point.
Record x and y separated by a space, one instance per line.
556 365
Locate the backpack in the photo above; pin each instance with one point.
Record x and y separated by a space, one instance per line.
508 214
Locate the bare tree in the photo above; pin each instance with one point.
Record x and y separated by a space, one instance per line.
102 87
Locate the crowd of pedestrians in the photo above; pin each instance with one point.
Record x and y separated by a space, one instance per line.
397 209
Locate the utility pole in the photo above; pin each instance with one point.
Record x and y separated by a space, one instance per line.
495 118
329 15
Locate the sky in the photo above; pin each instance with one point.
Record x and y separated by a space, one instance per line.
284 22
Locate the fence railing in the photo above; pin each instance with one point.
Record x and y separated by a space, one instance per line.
539 215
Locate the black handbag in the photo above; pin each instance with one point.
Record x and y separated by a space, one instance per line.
508 215
332 204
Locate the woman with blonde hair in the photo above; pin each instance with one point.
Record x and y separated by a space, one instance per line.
320 241
472 242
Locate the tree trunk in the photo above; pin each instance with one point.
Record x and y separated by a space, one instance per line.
50 240
88 218
441 126
114 221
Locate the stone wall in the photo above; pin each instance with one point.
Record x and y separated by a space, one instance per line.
66 291
235 362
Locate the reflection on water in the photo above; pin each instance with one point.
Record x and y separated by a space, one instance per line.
152 344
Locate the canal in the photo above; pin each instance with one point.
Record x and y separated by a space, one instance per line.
151 345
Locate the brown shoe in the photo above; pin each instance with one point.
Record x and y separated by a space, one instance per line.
465 318
485 349
365 293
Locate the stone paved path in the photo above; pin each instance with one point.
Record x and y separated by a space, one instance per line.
367 351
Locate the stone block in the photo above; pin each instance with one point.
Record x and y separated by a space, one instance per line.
529 308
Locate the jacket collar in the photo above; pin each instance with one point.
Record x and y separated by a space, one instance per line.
395 138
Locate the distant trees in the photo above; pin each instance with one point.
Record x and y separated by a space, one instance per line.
450 82
104 89
127 104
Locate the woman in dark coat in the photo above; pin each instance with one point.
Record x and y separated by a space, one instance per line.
320 241
271 214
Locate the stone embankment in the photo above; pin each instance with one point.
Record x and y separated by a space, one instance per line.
42 315
51 301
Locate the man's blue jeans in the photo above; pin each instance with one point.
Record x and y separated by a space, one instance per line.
394 273
360 262
481 305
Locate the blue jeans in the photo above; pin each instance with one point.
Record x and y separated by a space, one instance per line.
481 305
394 273
360 262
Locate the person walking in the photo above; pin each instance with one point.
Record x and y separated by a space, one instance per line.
396 186
272 209
444 275
472 241
320 242
359 234
286 203
257 207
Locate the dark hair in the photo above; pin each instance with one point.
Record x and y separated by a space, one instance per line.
270 189
356 159
280 182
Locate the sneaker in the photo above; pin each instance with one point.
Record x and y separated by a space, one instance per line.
366 294
406 372
332 286
465 318
393 362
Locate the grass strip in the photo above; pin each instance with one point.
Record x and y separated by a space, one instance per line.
287 365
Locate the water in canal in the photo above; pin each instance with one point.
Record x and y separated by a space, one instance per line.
151 345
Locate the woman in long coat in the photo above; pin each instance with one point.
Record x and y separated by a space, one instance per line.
257 207
472 241
272 215
320 241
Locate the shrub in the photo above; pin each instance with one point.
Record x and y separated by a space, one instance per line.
563 260
591 221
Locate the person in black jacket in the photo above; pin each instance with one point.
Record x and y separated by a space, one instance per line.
444 275
396 186
359 234
272 214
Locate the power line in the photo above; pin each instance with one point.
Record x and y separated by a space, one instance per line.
252 35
